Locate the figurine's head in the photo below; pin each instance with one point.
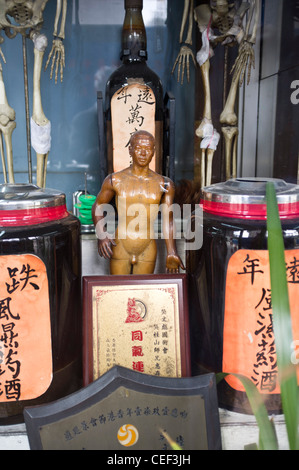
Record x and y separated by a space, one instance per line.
142 148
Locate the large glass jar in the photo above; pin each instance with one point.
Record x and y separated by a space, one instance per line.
40 304
230 294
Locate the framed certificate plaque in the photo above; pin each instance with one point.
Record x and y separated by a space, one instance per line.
138 322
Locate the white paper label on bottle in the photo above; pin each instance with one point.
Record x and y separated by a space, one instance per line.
133 108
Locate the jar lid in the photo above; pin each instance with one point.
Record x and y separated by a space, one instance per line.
245 198
27 204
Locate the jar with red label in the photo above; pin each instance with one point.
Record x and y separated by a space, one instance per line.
40 304
230 293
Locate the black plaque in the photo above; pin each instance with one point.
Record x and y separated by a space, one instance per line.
128 410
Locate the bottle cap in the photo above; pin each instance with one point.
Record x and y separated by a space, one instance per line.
134 4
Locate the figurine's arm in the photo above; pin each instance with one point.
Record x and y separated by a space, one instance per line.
57 52
106 194
173 261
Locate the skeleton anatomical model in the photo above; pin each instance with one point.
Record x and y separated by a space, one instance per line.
26 17
227 18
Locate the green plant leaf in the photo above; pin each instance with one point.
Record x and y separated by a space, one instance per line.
171 442
282 324
267 436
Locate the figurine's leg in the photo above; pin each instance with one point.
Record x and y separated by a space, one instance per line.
120 266
123 262
40 125
120 262
7 125
146 261
144 267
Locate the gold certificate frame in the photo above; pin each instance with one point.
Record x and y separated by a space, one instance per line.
138 322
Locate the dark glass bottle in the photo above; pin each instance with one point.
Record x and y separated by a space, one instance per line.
134 69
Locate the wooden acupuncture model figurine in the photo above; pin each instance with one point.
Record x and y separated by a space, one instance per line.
137 190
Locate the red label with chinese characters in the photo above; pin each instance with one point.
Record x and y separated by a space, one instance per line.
25 330
248 337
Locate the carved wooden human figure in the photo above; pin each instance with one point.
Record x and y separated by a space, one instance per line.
26 17
227 17
139 194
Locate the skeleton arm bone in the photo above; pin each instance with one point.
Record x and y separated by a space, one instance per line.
2 57
256 22
187 6
57 53
251 10
1 53
185 52
245 59
57 16
61 34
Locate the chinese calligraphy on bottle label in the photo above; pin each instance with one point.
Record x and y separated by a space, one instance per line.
137 328
133 108
248 336
25 334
